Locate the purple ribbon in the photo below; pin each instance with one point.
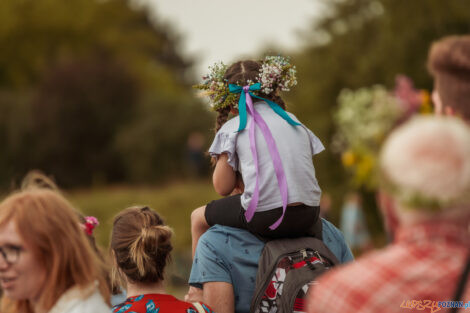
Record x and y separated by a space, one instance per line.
275 157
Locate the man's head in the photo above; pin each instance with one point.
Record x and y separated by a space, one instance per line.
449 64
425 166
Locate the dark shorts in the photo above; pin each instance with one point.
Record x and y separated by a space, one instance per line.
297 222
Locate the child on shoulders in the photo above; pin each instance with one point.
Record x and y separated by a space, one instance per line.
267 146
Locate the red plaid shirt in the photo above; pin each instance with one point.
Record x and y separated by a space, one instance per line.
424 263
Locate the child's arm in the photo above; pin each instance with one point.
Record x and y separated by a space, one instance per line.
224 178
239 185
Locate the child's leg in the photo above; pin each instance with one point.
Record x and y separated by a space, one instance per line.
226 211
198 226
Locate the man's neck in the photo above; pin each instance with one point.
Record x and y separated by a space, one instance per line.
134 289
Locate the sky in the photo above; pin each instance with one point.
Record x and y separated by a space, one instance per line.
222 30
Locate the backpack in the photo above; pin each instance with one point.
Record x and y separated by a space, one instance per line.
286 269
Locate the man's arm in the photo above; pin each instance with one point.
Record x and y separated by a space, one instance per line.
219 296
225 266
210 271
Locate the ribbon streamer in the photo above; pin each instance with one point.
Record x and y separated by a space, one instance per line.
246 104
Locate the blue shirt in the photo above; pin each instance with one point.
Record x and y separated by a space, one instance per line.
227 254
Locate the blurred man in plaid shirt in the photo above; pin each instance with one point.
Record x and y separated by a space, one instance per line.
426 169
425 165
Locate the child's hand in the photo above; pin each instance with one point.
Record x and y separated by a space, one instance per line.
239 185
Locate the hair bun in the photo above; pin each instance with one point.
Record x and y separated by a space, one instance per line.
155 236
142 245
153 242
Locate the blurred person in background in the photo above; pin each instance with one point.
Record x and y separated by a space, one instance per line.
141 246
353 224
425 167
449 64
195 155
46 261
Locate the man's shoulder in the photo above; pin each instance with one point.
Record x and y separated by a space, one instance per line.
334 240
330 231
224 237
219 235
329 226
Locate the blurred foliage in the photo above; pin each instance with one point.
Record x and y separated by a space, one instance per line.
92 92
106 202
359 43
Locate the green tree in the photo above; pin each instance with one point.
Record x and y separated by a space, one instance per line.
77 76
360 43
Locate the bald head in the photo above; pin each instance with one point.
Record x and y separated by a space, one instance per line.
426 163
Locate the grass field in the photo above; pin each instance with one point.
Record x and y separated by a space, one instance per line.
173 201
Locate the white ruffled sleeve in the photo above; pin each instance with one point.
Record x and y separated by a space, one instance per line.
315 143
225 142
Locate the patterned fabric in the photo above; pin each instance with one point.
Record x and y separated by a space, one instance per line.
273 292
422 267
156 303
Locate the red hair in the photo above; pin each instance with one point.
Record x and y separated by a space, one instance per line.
46 221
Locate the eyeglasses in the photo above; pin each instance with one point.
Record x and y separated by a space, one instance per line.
10 253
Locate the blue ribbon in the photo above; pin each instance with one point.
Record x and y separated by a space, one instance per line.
242 105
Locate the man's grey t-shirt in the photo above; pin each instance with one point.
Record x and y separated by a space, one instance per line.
227 254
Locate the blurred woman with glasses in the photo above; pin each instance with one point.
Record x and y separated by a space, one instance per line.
46 262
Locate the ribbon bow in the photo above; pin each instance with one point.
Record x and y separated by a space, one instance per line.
246 104
246 96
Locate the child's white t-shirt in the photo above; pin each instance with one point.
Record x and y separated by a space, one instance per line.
296 145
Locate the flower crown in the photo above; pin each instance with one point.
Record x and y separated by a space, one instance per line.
275 72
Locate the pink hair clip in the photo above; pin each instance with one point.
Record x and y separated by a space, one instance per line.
90 223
